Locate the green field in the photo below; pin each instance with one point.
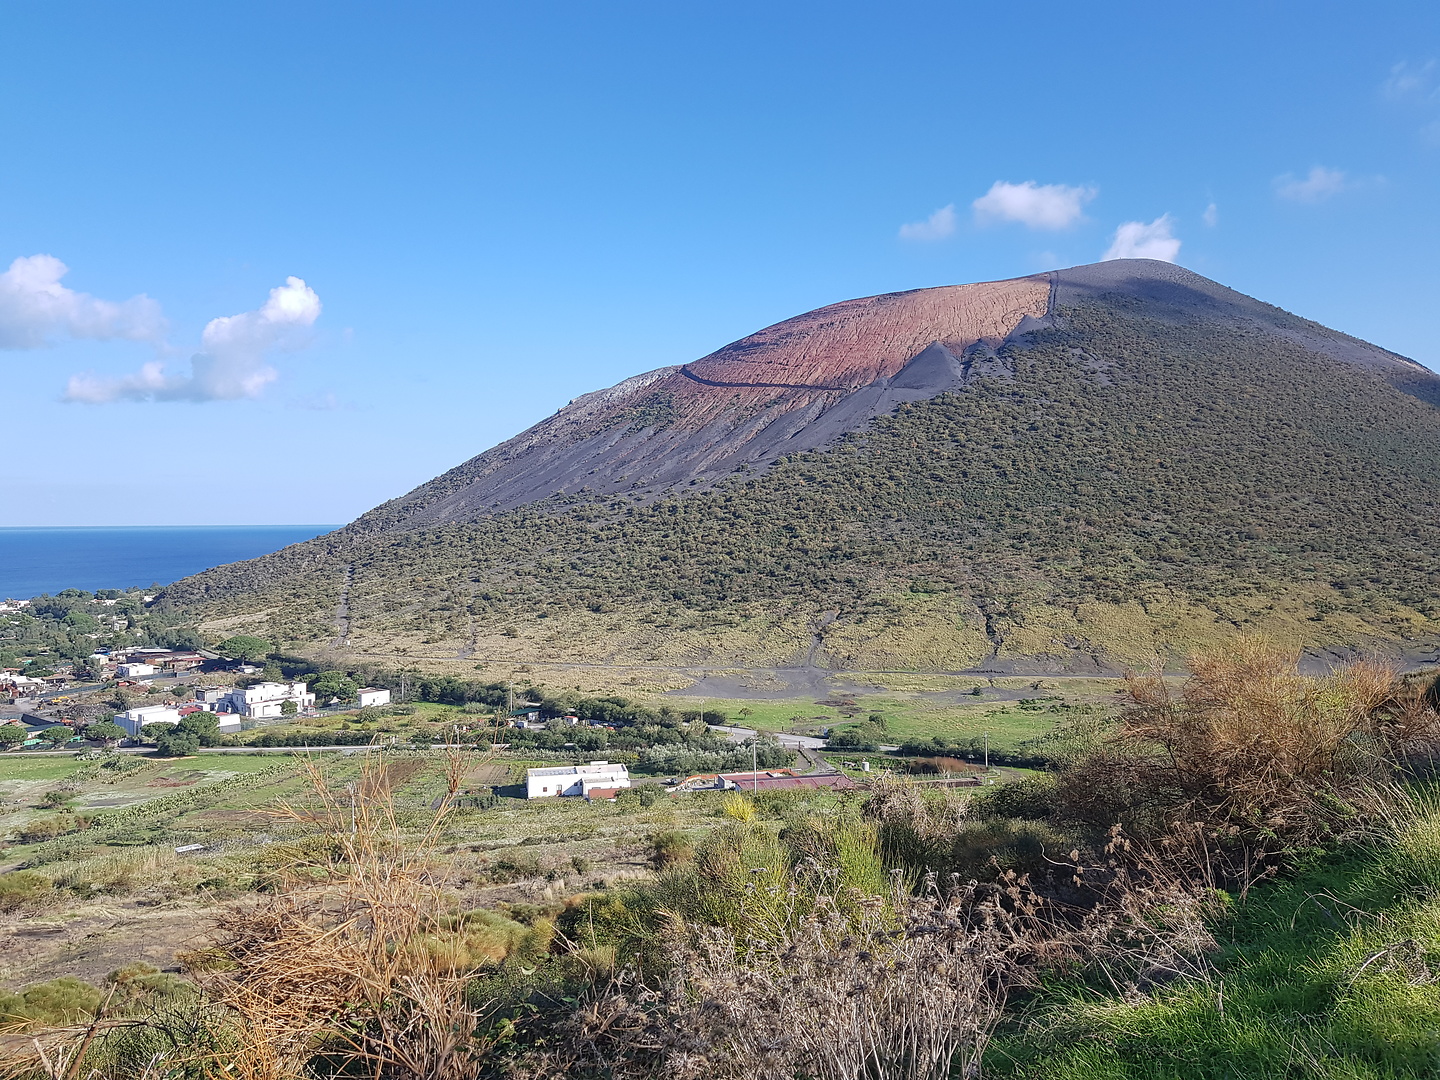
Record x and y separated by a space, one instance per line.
923 707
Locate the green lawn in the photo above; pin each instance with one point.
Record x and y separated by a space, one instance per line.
18 767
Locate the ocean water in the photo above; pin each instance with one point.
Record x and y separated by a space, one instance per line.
46 560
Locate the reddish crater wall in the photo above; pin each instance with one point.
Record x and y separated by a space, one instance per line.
852 344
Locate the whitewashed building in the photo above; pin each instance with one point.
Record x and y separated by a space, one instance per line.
133 671
132 720
266 700
574 779
370 695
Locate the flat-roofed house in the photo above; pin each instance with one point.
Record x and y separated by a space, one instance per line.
372 695
578 780
132 720
266 700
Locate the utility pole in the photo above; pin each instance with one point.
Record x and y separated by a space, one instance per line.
754 768
987 757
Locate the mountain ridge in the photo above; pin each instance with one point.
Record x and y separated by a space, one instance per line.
1086 466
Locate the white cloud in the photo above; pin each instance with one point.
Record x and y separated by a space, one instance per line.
231 364
937 226
1211 216
1040 206
1137 240
1412 83
34 306
1319 185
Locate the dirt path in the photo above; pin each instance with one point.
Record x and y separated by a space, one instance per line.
342 612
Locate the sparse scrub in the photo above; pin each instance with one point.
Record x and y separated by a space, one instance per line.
738 807
1252 763
22 888
670 848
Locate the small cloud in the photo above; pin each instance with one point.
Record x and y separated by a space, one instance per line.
1137 240
325 402
937 226
34 306
1319 185
231 364
1040 206
1410 82
1211 216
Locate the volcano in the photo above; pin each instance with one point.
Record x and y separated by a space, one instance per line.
1067 471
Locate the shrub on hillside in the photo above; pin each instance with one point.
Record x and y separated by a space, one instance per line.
65 1000
19 888
1251 759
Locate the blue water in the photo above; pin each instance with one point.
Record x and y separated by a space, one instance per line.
46 560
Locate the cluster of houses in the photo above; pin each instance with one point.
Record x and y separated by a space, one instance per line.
605 779
130 665
239 707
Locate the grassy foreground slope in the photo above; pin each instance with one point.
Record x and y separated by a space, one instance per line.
1142 480
1329 974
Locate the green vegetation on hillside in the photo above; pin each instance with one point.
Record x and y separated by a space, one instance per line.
1138 482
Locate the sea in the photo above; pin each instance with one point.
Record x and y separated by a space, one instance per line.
47 559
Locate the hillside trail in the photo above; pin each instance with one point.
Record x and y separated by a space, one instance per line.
342 612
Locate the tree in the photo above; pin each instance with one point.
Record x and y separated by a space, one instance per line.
59 735
106 731
82 623
288 707
177 743
332 684
244 647
12 735
204 726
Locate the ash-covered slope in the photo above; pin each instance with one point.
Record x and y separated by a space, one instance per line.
1063 471
794 386
803 383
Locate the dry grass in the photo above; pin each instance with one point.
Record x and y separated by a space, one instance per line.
848 984
1252 761
358 962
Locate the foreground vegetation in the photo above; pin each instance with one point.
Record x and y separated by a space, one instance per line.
1236 879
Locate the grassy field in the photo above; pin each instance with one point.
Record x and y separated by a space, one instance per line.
923 707
119 891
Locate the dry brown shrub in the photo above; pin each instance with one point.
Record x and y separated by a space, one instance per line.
1252 760
357 966
354 959
904 987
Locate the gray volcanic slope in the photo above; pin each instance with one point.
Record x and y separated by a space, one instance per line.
803 383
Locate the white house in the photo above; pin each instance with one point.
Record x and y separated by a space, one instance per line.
574 779
131 671
211 698
132 720
370 695
266 700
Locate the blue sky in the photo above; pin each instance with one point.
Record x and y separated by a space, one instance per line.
490 209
